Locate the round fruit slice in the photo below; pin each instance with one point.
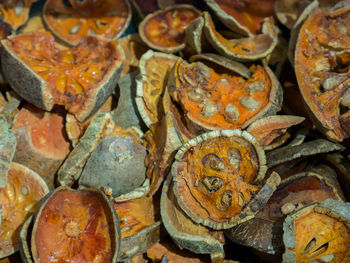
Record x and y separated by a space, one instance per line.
244 17
218 178
81 78
71 22
19 199
320 232
212 100
164 30
322 59
83 224
15 12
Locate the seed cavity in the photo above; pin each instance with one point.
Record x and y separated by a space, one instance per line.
254 87
232 112
75 29
345 100
320 250
196 95
19 8
212 183
249 103
341 27
329 84
309 246
234 157
212 161
209 110
25 190
240 199
226 200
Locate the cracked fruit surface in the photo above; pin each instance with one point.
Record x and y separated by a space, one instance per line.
322 59
164 30
83 224
216 175
223 101
19 199
81 78
72 22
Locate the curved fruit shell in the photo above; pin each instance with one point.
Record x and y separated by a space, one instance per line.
42 188
24 242
113 220
332 208
148 94
195 41
196 238
34 89
252 207
150 16
259 46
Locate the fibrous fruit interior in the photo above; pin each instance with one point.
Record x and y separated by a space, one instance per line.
80 224
73 74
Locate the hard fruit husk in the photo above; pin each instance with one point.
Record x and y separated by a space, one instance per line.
24 240
26 65
154 68
164 30
107 19
236 102
228 187
19 199
42 143
84 224
318 232
321 60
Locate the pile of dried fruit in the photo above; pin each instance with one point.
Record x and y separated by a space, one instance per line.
175 131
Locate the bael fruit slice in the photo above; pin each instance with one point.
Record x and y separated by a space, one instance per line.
81 78
83 224
72 22
154 68
42 143
218 178
19 199
15 12
244 17
212 100
322 68
319 232
164 30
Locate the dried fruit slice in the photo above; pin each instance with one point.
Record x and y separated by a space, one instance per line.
42 143
196 238
211 100
81 78
20 199
83 223
15 12
218 178
164 30
244 49
72 22
319 232
154 68
322 70
244 17
264 231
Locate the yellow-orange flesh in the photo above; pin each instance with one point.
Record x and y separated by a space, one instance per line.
71 74
167 28
134 215
215 178
45 131
105 18
249 13
15 12
19 199
322 66
79 223
319 235
220 101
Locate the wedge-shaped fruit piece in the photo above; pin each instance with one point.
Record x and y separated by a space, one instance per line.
196 238
264 231
71 22
244 49
219 178
164 30
244 17
154 68
19 199
212 100
322 69
42 143
83 223
81 78
318 232
15 12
